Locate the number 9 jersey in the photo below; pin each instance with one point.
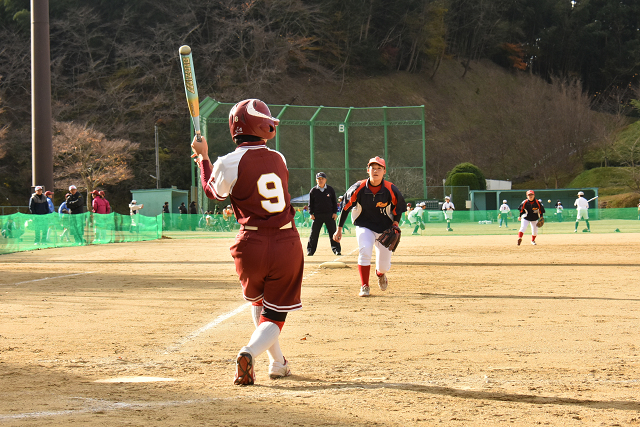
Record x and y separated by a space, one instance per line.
257 180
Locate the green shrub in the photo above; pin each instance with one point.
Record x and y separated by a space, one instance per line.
468 168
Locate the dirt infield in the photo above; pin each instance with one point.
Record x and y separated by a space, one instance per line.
472 331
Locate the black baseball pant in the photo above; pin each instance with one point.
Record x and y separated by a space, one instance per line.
322 219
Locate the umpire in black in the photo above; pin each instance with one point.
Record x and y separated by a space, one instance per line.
323 208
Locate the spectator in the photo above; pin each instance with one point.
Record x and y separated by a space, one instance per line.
75 206
49 195
166 216
38 205
100 207
63 211
106 202
183 215
193 215
51 225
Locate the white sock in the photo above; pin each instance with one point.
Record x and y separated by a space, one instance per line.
263 338
256 311
274 352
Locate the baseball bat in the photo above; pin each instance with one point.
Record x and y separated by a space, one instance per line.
190 88
592 199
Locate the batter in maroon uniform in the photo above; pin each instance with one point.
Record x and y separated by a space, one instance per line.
267 251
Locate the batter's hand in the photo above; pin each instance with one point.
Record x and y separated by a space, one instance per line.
337 236
313 217
200 149
334 216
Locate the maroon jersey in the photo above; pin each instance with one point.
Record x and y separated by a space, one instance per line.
257 180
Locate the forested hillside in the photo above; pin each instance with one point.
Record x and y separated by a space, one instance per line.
519 88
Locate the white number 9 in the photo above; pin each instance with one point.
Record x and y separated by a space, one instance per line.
277 192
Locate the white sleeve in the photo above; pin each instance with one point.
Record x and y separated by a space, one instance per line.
225 174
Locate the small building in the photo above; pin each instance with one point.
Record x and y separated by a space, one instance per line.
153 199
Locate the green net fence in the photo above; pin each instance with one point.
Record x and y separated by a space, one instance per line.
22 232
338 141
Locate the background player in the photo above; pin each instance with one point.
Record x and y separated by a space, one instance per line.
375 205
448 208
531 210
582 211
504 213
267 251
559 210
416 218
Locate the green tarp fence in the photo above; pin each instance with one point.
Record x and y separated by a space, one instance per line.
22 232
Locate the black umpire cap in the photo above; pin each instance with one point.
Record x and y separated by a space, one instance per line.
321 175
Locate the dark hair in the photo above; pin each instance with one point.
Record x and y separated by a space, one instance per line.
246 138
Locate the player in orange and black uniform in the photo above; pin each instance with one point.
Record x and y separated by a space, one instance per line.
375 205
267 251
531 210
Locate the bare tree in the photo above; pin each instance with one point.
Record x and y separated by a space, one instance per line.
81 153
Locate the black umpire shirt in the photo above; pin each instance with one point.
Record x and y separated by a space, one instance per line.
323 202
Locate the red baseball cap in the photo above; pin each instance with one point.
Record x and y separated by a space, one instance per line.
378 160
531 192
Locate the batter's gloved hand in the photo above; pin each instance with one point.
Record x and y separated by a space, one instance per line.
390 238
540 222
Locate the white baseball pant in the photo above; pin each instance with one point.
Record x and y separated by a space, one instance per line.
366 242
534 226
582 214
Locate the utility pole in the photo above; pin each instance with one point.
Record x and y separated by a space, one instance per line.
157 158
41 138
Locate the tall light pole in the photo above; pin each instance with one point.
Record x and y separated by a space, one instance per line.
41 138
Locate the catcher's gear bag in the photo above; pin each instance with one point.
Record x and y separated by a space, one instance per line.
390 238
540 222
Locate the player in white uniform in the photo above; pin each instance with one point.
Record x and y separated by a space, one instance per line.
416 217
448 208
582 208
504 212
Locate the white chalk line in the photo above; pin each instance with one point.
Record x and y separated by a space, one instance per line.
48 278
206 327
176 347
101 405
113 406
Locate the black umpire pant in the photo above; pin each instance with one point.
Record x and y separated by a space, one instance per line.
322 219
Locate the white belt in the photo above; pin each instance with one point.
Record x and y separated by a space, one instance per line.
252 228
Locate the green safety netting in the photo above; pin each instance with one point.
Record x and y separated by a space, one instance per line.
22 232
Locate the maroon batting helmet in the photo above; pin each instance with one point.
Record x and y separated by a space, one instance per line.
252 117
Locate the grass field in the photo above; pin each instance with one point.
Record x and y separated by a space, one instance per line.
473 330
